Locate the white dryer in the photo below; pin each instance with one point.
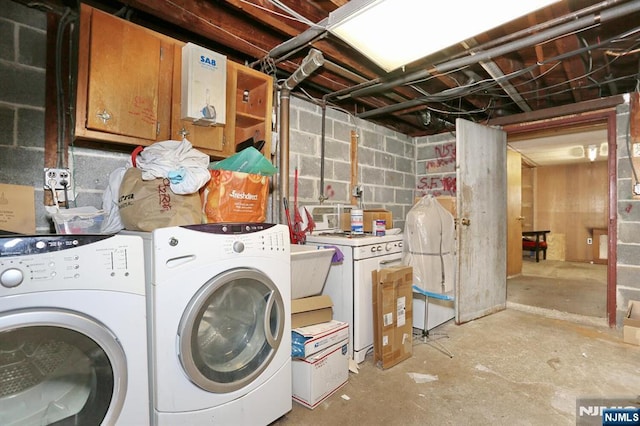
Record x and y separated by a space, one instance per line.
220 324
73 331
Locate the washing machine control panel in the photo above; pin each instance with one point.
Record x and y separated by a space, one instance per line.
37 263
230 228
20 245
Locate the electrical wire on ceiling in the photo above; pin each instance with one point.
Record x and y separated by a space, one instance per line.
489 84
586 75
293 14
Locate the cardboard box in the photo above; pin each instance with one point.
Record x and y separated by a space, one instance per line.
311 310
446 201
317 377
631 323
310 340
368 217
393 315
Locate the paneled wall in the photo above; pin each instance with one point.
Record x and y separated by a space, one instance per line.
528 205
571 200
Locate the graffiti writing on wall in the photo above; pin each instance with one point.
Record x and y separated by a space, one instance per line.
437 185
445 155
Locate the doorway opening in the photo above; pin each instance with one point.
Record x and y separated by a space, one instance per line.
573 197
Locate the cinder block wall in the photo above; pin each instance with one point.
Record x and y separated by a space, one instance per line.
628 244
386 160
436 165
22 80
22 96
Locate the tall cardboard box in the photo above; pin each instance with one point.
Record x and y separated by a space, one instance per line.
393 315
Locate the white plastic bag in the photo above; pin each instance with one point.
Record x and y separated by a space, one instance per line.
112 222
186 168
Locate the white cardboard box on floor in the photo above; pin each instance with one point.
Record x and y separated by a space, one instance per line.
319 376
314 338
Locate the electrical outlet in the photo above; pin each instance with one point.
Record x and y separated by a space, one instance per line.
60 183
636 149
58 179
589 240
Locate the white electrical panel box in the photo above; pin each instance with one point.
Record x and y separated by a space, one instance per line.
204 86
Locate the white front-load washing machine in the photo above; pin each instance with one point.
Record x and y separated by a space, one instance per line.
220 336
73 331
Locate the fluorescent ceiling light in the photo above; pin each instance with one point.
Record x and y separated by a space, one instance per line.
393 33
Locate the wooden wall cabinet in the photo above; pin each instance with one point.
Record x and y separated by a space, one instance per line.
249 106
124 81
129 91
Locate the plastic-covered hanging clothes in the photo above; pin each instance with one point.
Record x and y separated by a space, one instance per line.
429 246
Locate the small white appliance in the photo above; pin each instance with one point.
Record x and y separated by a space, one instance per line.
73 330
349 283
220 326
204 86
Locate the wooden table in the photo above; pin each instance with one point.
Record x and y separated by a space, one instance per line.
540 245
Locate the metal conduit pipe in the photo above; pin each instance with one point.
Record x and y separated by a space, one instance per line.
322 198
534 39
309 64
485 55
441 97
300 40
283 188
543 25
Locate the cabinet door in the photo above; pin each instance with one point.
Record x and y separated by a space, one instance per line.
249 106
124 81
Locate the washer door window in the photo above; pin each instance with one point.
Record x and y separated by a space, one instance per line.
54 371
231 330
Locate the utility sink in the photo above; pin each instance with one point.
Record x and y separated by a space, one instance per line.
309 269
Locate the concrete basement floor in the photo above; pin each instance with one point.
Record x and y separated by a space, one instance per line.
509 368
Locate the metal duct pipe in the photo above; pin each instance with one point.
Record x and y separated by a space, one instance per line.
309 64
312 62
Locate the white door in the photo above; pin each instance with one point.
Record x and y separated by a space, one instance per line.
481 180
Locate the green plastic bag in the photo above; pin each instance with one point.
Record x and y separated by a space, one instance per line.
249 160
